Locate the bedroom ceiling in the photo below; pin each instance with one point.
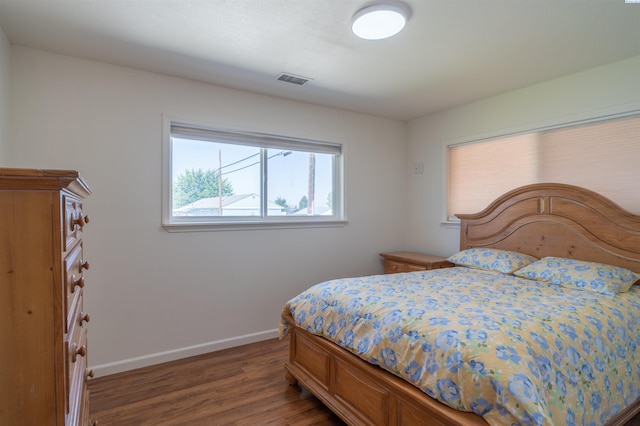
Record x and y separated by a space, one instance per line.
452 51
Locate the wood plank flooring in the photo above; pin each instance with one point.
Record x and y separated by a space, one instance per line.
239 386
243 386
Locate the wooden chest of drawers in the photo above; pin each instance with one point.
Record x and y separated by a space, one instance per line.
406 261
43 346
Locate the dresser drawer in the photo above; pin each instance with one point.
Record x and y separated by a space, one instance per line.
74 343
84 406
77 387
74 221
76 363
74 265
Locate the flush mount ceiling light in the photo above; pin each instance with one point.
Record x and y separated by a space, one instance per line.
379 21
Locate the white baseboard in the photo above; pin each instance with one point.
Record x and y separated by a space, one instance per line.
174 354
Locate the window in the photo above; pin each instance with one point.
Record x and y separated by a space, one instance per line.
221 179
601 155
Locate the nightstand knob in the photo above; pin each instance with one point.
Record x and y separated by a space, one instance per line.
84 317
90 374
84 264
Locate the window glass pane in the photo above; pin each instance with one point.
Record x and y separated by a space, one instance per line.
215 179
300 183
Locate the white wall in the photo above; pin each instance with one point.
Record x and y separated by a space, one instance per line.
601 91
5 80
153 295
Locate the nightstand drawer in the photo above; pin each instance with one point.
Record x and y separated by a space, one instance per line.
405 261
394 267
410 267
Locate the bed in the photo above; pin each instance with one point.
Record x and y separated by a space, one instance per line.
365 385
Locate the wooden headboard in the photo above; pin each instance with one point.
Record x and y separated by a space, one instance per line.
551 219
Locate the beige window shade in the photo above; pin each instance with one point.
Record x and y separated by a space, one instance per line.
603 156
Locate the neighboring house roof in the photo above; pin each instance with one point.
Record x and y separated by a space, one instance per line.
242 204
317 211
214 202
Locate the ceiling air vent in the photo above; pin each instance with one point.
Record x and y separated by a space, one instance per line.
294 79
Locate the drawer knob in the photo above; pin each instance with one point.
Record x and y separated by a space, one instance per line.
84 264
77 283
80 222
90 374
84 318
82 351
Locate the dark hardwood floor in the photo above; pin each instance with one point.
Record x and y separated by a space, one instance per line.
239 386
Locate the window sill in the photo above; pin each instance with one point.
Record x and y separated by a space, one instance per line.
246 226
453 224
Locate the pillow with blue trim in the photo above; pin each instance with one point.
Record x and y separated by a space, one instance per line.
581 275
490 259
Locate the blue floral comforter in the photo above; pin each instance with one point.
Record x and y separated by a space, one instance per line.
512 350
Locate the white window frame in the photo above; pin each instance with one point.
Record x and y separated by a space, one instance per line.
452 220
224 134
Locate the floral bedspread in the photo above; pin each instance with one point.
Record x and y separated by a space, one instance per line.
512 350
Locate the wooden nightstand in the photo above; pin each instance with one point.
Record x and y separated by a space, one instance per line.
406 261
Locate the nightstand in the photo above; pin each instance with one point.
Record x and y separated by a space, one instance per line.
406 261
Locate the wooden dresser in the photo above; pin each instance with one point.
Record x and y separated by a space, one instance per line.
43 345
407 261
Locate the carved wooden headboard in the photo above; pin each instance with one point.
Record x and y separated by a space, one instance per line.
551 219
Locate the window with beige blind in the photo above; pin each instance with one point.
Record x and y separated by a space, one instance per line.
602 155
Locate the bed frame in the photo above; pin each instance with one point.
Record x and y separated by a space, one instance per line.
540 220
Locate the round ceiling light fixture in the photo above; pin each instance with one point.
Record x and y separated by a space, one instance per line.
379 21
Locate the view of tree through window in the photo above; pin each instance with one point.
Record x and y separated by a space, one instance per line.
195 185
